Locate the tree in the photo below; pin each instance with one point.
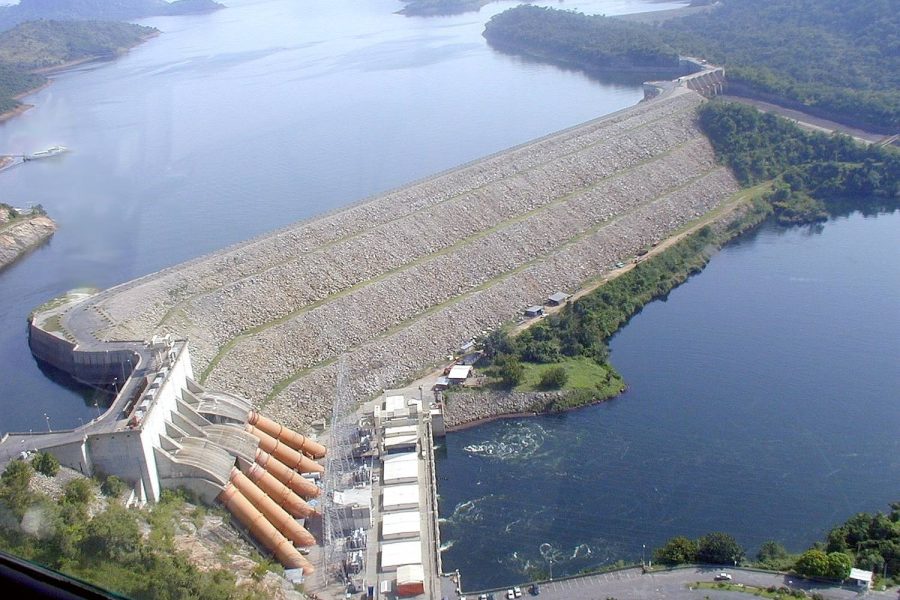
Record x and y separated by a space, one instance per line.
14 490
45 463
554 378
78 492
112 535
17 475
113 487
678 550
510 371
771 552
812 563
719 548
839 566
496 344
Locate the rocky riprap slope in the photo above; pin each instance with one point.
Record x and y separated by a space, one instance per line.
393 284
21 234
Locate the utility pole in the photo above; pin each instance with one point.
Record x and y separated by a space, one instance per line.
47 417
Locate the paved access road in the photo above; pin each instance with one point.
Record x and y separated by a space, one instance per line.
630 584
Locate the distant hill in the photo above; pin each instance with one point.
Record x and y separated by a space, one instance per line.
99 10
431 8
43 44
832 58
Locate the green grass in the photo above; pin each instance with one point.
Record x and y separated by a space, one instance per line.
583 374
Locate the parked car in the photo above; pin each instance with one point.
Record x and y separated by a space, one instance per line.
535 589
517 592
510 595
723 577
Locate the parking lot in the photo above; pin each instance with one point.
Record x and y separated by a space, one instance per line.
631 584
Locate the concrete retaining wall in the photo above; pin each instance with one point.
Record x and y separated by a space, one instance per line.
93 367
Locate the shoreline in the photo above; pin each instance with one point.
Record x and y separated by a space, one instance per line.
23 108
19 239
529 413
741 207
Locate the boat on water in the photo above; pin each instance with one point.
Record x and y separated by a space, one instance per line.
55 150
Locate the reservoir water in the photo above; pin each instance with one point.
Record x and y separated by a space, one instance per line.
764 401
231 124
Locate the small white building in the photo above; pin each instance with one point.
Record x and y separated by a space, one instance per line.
861 578
399 444
400 525
459 373
558 298
401 468
534 311
396 554
400 497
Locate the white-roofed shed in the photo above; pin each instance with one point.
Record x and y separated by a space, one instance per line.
861 578
401 468
398 525
400 497
395 554
459 373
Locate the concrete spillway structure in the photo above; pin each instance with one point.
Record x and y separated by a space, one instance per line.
166 431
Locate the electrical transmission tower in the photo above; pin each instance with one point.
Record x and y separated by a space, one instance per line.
339 469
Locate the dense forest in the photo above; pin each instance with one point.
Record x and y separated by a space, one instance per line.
127 551
593 43
431 8
836 59
14 81
52 43
106 10
809 169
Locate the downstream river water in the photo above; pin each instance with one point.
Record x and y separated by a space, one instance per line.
247 119
763 402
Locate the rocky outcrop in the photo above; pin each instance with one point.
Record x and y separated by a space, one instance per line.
19 235
470 407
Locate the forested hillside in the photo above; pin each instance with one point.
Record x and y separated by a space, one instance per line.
808 168
840 60
589 42
106 10
40 44
14 81
831 57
